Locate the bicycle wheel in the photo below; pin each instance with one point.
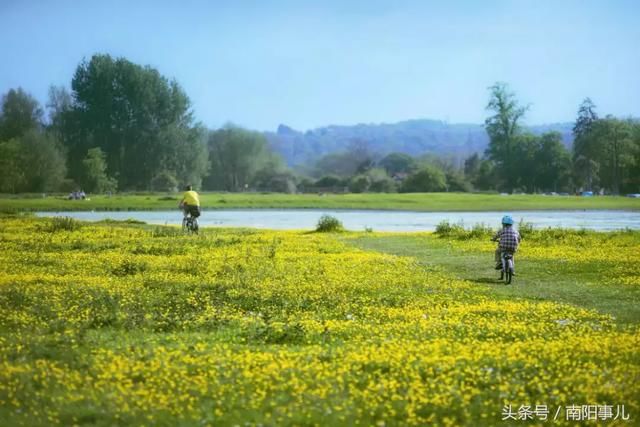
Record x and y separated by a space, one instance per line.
509 272
185 224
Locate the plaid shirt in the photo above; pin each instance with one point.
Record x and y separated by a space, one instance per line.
509 239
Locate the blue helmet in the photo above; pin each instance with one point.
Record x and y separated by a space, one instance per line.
507 220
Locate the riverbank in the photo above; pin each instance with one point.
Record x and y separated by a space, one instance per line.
378 220
425 202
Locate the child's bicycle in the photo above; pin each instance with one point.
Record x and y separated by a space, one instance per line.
508 269
190 224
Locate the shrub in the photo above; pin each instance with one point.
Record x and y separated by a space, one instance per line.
457 231
386 185
329 181
428 179
480 230
160 231
63 223
525 228
128 268
164 181
8 211
446 229
359 184
328 223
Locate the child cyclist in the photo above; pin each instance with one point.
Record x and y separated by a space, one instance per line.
508 240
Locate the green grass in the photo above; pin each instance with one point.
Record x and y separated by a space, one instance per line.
537 280
416 202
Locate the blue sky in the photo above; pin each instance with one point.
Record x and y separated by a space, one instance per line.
314 63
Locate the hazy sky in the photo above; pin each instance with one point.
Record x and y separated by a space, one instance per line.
314 63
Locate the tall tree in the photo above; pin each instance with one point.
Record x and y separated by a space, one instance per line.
429 178
12 176
632 183
96 178
139 119
19 114
503 128
59 106
33 162
236 155
585 146
395 163
524 155
356 159
616 151
472 166
45 163
552 163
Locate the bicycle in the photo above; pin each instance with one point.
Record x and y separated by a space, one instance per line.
508 268
190 224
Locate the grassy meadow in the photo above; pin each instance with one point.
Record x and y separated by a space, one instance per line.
128 324
395 201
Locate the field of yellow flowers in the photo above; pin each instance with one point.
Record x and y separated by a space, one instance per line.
118 324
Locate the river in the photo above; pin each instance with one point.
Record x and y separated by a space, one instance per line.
377 220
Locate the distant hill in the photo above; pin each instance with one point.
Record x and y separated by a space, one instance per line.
414 137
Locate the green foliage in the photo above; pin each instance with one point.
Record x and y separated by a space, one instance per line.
522 161
8 211
139 119
12 164
446 229
63 223
480 172
166 232
456 181
359 184
96 178
328 223
503 128
552 164
585 147
605 151
164 181
45 165
380 181
110 221
615 154
275 176
19 114
128 268
236 155
32 162
427 179
480 231
356 159
331 182
457 231
398 163
525 228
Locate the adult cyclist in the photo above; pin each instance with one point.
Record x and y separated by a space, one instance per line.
508 240
190 203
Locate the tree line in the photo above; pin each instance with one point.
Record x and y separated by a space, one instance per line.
125 127
605 155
